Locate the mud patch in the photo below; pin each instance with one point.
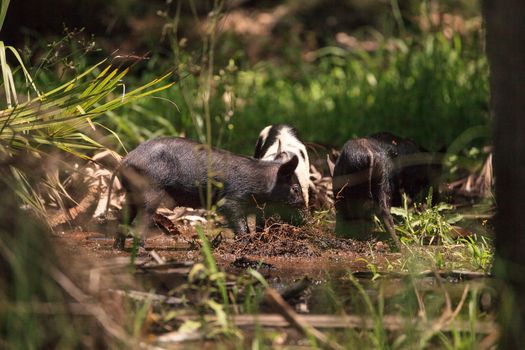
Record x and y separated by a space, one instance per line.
285 240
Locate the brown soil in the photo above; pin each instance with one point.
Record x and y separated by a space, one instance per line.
286 250
289 241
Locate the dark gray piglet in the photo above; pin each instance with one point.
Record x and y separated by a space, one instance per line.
370 176
362 187
178 169
416 170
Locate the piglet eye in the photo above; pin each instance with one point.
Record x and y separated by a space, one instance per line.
295 188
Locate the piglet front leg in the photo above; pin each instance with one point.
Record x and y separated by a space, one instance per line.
235 215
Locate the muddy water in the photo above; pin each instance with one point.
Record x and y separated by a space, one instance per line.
330 283
333 295
333 287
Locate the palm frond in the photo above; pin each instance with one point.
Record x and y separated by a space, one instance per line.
58 117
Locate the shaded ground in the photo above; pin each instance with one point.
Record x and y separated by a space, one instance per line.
319 276
289 251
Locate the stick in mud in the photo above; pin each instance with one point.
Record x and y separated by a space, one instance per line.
391 323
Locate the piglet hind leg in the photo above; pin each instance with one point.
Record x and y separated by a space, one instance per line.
381 192
126 217
151 201
389 224
141 206
384 204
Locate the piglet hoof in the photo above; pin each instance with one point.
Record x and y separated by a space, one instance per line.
141 248
119 243
142 252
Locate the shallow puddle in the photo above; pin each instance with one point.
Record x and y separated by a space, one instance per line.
334 282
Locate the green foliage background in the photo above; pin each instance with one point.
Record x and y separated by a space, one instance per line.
424 83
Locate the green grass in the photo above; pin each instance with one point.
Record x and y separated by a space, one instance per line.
429 88
425 86
415 92
432 242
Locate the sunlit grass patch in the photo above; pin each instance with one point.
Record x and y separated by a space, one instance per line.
433 241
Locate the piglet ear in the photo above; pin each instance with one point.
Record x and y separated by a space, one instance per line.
282 157
287 169
331 165
279 146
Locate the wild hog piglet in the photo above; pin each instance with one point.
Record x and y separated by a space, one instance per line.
370 176
362 187
416 170
280 142
179 170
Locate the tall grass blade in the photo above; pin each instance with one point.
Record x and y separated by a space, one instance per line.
7 76
3 11
27 76
210 262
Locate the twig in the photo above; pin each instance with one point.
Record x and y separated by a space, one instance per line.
422 312
95 310
490 340
446 318
159 259
460 304
69 286
448 303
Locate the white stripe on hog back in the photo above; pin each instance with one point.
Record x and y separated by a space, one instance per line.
268 148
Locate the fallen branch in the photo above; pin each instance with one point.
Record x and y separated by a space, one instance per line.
456 274
391 323
72 214
109 326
